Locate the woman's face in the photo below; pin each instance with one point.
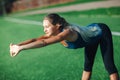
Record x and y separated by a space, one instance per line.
49 29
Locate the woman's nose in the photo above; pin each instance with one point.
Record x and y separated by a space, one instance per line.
45 30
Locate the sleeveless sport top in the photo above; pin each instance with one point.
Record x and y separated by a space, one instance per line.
86 35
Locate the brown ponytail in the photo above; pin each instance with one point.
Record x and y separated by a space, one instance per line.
56 19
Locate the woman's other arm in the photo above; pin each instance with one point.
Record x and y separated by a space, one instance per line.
38 42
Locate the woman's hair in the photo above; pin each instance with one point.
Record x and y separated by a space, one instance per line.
56 19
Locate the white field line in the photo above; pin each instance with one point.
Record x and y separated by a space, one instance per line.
23 21
116 33
39 23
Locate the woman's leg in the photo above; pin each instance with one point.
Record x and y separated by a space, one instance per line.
114 76
106 46
86 75
90 52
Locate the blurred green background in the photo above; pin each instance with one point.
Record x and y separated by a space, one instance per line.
53 62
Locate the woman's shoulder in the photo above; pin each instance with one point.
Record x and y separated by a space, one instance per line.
69 27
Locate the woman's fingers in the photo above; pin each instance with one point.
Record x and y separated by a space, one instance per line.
14 50
11 49
11 44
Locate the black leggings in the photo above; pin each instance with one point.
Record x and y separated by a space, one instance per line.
106 46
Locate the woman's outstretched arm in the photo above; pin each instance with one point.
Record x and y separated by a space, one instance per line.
32 43
32 40
37 43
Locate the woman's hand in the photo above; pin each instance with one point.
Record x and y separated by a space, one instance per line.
14 50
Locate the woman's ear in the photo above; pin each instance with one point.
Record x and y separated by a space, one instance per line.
58 26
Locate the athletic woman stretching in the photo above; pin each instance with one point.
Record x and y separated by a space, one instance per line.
57 29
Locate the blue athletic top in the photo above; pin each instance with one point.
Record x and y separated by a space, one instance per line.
86 35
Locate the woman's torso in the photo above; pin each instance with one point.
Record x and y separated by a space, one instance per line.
86 35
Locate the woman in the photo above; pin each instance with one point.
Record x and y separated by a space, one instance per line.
57 29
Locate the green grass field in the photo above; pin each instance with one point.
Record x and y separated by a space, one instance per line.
53 62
